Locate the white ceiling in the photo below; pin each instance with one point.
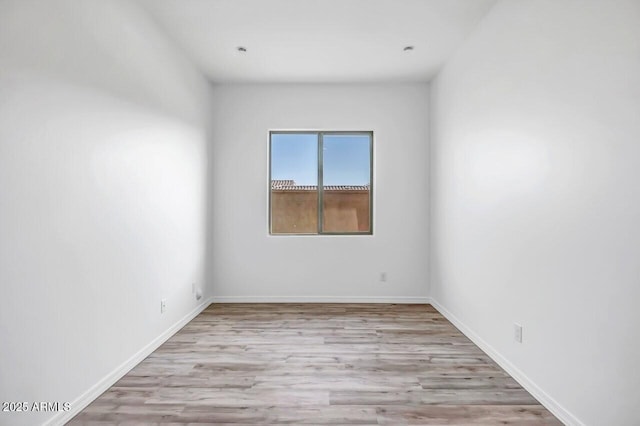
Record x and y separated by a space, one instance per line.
318 40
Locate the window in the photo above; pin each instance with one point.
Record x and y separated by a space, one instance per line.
320 182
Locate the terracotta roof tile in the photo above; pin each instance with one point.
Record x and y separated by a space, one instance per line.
290 185
282 182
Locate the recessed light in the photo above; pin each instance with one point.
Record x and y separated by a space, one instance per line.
407 48
241 49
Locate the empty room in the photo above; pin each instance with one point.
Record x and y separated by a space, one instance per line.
320 212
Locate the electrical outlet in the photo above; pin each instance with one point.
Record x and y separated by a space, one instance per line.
517 332
163 306
383 277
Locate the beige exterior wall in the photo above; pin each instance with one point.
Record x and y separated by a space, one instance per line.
296 212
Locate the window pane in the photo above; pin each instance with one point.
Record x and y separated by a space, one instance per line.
346 163
294 183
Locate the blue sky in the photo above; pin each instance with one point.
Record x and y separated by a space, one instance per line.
345 159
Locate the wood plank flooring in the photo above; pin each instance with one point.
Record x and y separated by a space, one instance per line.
323 364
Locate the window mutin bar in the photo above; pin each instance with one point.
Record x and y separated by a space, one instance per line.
320 183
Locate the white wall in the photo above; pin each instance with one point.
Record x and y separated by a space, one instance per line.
249 264
536 198
103 163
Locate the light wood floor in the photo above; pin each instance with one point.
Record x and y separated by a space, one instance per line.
317 364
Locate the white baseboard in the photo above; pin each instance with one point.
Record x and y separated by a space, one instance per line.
547 401
320 299
96 390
